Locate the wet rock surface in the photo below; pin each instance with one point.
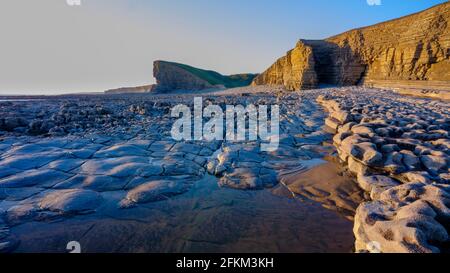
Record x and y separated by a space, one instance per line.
113 161
98 157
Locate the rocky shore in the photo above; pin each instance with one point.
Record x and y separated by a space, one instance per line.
64 158
399 151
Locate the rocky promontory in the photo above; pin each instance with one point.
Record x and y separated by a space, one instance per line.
411 52
172 76
132 90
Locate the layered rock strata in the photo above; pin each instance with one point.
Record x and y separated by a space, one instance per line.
295 71
414 49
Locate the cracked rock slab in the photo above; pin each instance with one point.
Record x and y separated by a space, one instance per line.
72 201
44 178
153 191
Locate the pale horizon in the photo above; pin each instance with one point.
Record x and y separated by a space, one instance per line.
49 47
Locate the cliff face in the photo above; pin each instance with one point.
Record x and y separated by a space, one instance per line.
294 71
413 50
415 47
174 76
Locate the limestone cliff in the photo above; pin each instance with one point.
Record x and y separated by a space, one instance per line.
174 76
409 51
294 71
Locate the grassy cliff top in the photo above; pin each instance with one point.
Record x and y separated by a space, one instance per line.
215 78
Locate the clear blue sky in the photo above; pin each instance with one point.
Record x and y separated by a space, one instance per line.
50 47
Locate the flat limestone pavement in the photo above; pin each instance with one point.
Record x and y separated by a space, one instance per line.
96 154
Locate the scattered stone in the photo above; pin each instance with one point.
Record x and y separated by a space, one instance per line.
434 164
357 167
367 153
363 130
409 177
376 184
410 160
332 123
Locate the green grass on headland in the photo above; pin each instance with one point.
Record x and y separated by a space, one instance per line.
215 78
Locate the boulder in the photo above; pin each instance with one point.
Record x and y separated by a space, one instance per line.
332 123
363 130
434 164
376 184
357 167
410 160
367 153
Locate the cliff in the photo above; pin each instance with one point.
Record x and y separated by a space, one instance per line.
409 52
175 76
127 90
294 71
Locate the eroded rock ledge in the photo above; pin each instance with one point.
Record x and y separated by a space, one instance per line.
398 149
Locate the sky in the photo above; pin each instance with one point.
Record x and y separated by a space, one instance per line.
50 47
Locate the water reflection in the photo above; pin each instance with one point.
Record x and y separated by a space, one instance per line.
207 219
